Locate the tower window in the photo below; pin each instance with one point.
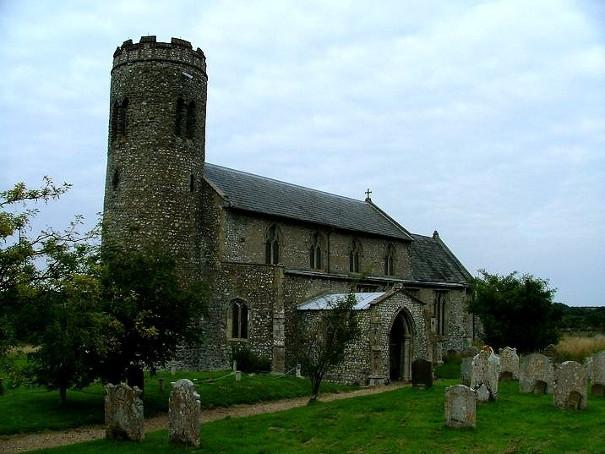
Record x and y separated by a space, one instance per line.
119 113
181 113
239 320
115 180
191 183
272 246
354 257
191 120
315 261
389 260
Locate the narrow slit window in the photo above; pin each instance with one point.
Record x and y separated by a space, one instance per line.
191 120
239 320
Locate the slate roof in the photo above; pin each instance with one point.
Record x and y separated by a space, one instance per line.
259 194
362 301
432 261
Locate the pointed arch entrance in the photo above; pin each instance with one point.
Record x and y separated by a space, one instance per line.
401 347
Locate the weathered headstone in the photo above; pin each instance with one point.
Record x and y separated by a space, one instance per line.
570 386
460 406
536 374
550 350
422 373
509 364
588 367
483 393
184 413
486 371
466 369
124 413
238 375
299 371
598 374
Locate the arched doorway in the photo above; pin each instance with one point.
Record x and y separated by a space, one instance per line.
400 348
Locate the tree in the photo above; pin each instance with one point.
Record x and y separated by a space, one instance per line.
153 309
516 310
27 260
321 337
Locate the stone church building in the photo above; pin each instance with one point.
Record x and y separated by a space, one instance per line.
271 251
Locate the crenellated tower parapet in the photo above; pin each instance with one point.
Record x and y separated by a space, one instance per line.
148 49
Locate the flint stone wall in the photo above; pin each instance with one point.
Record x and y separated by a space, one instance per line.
460 406
184 413
124 413
570 386
535 369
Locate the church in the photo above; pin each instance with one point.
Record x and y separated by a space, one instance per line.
271 251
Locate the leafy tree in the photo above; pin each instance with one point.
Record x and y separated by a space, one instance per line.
154 311
25 259
320 339
516 310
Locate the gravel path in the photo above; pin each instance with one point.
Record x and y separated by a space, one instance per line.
22 443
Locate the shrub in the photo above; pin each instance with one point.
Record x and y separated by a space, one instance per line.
577 348
248 361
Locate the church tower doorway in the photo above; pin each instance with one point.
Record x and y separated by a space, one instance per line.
400 348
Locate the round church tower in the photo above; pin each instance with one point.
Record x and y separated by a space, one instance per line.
155 157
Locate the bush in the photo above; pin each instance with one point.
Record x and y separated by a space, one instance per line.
576 348
248 361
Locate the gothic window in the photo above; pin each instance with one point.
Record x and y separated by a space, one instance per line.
181 114
190 120
315 252
272 246
388 260
354 257
439 311
239 320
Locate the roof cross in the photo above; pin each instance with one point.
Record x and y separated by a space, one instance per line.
368 193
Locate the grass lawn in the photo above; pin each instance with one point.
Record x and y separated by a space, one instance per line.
30 410
405 420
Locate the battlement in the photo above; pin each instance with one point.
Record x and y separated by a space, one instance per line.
149 49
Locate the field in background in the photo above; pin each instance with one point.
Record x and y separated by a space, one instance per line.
577 348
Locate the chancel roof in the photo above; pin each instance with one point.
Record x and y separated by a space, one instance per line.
363 301
432 261
263 195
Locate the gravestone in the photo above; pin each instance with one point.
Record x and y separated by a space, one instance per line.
598 374
466 369
536 374
570 386
184 413
460 406
123 413
550 350
588 366
509 364
422 373
483 393
486 371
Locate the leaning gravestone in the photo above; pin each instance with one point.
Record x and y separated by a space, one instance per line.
422 373
509 364
536 374
460 406
570 386
184 413
486 371
124 413
598 374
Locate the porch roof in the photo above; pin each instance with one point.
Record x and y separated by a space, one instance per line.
363 301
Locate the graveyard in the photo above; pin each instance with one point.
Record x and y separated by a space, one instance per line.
405 420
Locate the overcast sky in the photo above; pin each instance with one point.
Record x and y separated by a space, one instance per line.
484 120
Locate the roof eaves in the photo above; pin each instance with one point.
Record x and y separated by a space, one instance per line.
217 190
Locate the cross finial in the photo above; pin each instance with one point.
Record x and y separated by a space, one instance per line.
368 193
